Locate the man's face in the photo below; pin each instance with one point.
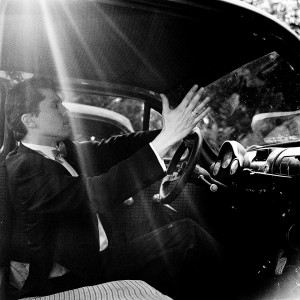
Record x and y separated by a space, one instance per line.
52 122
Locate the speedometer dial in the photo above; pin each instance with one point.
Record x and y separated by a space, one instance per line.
234 166
216 168
226 160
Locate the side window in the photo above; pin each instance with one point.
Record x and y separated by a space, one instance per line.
128 112
130 108
155 120
97 116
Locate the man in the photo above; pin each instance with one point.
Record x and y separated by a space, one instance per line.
60 208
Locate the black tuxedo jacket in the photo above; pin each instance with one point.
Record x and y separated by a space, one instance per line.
57 211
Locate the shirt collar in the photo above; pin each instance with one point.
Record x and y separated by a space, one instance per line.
45 150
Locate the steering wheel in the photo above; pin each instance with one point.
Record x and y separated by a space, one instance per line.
179 177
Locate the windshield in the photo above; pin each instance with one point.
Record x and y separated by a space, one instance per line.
257 104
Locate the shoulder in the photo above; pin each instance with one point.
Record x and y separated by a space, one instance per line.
19 163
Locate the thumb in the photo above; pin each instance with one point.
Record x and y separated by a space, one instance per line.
165 103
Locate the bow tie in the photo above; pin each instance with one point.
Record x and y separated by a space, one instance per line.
60 152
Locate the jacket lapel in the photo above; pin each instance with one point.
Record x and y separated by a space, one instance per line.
23 149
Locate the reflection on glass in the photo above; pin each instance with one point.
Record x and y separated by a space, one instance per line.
226 160
258 103
234 166
216 168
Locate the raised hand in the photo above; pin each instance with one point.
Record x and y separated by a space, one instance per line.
179 122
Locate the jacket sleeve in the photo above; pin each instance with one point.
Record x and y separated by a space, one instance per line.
124 179
43 187
99 156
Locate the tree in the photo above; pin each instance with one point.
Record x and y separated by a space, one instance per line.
287 11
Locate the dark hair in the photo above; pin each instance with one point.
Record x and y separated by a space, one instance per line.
24 98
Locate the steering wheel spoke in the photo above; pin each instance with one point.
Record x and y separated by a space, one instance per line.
180 175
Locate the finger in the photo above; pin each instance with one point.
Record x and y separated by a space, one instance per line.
165 103
186 100
201 115
201 105
195 99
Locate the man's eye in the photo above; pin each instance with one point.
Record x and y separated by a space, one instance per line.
55 104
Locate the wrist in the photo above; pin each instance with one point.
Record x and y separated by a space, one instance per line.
163 143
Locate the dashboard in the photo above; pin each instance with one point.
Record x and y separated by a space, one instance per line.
258 193
256 167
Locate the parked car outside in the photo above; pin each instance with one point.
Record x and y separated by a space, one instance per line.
96 123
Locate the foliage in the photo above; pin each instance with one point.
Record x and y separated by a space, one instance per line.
265 85
287 11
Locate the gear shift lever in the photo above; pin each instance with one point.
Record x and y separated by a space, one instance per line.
205 176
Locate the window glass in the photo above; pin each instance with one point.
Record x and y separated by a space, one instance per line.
155 120
132 109
258 104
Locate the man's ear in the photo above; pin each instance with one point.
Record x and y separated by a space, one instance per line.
28 121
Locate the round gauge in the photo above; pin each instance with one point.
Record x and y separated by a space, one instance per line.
226 160
234 166
216 168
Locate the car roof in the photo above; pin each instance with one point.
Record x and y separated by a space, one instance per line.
160 46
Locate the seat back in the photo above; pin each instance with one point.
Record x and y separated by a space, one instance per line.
13 245
5 232
5 219
7 141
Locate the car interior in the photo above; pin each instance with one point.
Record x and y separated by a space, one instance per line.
237 173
